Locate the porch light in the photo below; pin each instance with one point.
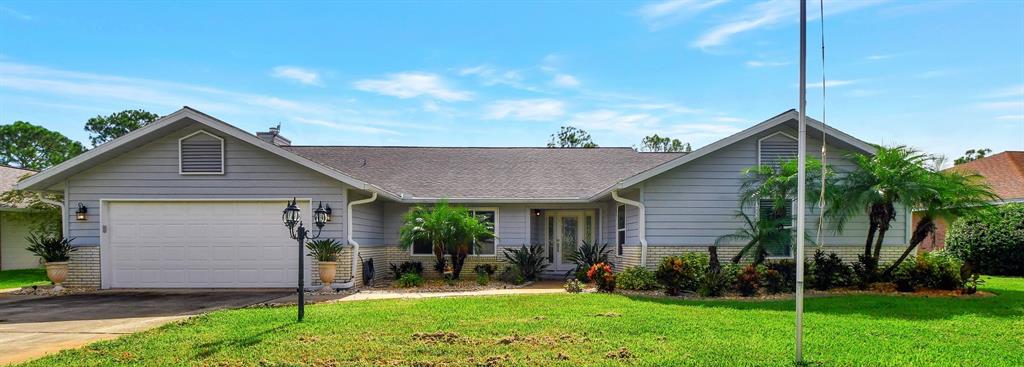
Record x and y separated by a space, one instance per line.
290 215
81 213
327 208
320 216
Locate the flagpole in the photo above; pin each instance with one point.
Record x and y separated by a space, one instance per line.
801 185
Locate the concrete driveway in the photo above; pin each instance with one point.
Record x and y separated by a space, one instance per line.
31 327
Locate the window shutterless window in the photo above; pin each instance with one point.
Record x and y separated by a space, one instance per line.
485 248
620 227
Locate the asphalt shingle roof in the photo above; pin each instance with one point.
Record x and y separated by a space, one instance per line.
486 173
1003 171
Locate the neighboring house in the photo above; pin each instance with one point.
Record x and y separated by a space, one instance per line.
191 201
1004 172
15 223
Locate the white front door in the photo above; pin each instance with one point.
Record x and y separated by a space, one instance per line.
565 231
199 244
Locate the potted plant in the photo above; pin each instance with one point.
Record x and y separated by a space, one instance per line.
326 252
55 250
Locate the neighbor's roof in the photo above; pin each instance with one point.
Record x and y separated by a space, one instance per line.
1003 171
486 173
9 176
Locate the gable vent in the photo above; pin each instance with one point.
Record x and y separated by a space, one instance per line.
201 153
775 149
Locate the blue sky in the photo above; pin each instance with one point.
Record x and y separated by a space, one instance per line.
942 76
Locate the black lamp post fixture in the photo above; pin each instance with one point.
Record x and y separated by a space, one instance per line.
292 218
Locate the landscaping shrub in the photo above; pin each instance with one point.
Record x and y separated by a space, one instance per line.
748 281
603 276
714 283
928 270
992 240
573 286
51 247
414 267
681 273
512 275
636 278
530 261
865 271
586 255
484 273
828 271
324 250
773 281
787 272
410 280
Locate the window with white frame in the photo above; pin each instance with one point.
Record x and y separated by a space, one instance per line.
772 151
484 248
620 228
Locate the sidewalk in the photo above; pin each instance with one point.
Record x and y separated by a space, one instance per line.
542 287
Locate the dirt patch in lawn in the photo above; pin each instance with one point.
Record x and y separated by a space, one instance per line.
437 337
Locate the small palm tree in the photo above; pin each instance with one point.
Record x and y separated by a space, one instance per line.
451 230
893 175
950 195
779 185
758 235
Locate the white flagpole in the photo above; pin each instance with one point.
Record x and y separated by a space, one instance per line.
801 185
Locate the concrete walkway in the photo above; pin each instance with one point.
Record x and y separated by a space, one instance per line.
544 287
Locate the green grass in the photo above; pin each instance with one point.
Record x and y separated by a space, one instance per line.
22 278
843 330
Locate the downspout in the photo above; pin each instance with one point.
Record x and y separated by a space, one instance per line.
63 213
642 223
355 245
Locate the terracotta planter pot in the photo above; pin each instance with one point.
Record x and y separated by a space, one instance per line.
327 272
57 272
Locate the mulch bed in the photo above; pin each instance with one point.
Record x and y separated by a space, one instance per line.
883 289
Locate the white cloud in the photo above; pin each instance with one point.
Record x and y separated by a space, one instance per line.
728 119
932 74
668 107
686 131
864 92
832 83
565 81
666 13
769 13
1011 117
879 57
765 64
345 126
294 73
1014 91
413 84
627 123
15 13
526 109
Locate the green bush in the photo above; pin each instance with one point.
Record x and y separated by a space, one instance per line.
936 270
603 277
773 281
992 240
681 273
748 281
512 275
637 278
50 247
787 273
573 286
410 280
829 271
530 261
715 283
865 271
414 267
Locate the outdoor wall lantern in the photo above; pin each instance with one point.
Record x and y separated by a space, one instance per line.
327 208
292 218
82 212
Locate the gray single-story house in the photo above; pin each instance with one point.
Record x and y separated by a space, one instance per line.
190 201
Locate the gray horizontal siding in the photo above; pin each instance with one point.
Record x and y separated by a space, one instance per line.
695 203
151 172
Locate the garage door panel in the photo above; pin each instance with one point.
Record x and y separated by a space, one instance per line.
199 245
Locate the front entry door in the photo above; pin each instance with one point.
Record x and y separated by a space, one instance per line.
566 231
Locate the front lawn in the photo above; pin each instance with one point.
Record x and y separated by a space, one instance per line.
22 278
589 329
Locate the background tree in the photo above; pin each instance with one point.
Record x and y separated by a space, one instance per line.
571 137
655 143
33 147
972 155
106 128
894 175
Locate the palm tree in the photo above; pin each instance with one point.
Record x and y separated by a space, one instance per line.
894 175
779 185
950 195
758 235
451 230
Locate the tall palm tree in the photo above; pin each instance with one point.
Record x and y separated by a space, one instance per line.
893 175
779 185
950 195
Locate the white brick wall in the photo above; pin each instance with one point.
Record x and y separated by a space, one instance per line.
84 268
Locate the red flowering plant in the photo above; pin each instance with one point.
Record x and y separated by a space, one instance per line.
601 273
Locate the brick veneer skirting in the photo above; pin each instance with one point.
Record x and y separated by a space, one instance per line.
84 268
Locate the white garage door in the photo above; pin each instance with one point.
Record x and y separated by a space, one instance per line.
211 244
